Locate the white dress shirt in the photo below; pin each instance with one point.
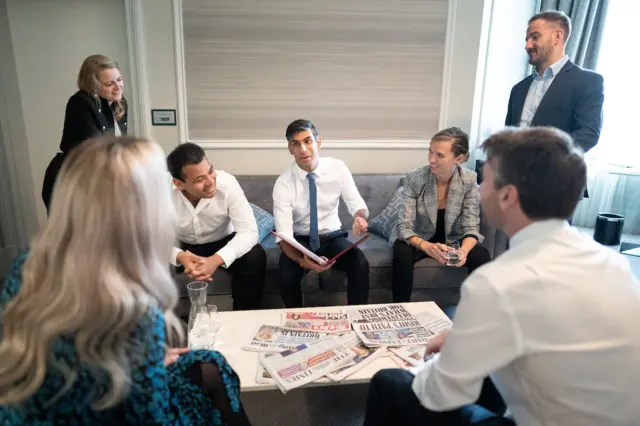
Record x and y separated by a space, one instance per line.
555 322
538 89
212 219
291 197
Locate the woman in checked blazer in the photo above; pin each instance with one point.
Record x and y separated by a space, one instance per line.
440 204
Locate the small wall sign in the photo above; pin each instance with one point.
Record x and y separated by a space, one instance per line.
163 117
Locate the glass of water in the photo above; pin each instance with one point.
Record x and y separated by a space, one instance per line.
203 333
453 254
213 313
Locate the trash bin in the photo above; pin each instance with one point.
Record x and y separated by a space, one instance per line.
608 229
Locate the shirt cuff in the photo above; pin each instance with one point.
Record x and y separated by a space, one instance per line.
367 214
419 385
228 255
174 255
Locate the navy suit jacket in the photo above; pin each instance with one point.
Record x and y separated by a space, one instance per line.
572 103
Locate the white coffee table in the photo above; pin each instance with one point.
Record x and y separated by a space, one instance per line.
236 328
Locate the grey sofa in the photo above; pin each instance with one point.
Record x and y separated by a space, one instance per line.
431 280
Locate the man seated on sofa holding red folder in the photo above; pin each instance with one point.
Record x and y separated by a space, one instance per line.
305 207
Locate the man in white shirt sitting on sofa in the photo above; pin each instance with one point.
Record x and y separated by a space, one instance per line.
305 207
554 322
216 226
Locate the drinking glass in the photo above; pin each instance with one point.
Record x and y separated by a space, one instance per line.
213 313
203 333
202 326
453 254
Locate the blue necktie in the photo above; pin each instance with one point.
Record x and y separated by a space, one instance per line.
314 236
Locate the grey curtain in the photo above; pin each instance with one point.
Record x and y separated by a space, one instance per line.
587 19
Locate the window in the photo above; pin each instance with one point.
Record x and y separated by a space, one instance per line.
360 69
619 142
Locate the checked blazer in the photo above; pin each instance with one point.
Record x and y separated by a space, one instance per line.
419 209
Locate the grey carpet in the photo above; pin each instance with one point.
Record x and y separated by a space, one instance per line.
336 405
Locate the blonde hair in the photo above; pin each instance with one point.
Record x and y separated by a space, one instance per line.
89 82
99 267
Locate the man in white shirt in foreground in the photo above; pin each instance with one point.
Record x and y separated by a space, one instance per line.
216 226
554 321
305 207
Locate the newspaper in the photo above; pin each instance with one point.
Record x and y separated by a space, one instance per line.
435 324
390 325
271 338
323 322
412 355
402 363
363 356
262 376
307 362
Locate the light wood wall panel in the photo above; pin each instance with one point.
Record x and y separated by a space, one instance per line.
360 69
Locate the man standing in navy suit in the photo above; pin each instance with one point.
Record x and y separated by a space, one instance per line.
558 93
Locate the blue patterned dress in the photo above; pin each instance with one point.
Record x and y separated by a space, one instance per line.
159 395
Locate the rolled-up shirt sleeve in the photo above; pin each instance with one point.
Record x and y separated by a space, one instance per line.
283 208
174 255
349 192
407 212
483 339
244 223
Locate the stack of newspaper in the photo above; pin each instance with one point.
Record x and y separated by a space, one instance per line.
322 322
271 338
307 346
333 357
414 356
307 362
390 325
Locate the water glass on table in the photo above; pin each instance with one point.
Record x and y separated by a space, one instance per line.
213 313
453 253
205 328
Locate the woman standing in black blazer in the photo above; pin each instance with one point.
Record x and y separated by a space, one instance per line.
97 108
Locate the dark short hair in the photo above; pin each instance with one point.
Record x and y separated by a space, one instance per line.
544 165
459 138
184 155
558 18
300 126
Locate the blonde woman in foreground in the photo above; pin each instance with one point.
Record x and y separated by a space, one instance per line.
83 314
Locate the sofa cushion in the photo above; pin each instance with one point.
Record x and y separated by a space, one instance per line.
376 190
265 221
383 223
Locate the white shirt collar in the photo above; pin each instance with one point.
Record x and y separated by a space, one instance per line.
203 202
538 229
302 174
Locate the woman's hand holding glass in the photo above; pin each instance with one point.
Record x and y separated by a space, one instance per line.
436 251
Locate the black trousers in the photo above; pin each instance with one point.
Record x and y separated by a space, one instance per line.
353 262
391 401
405 256
248 272
50 176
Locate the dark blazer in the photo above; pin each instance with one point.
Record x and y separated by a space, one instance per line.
573 103
418 212
84 118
